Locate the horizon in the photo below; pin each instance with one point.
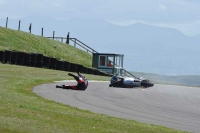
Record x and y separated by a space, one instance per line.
10 20
181 14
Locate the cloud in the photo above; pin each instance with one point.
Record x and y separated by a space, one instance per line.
162 7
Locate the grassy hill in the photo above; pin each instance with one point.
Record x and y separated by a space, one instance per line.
21 110
26 42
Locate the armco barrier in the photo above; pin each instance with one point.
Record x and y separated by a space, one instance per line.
46 61
39 60
59 65
73 67
14 57
33 59
67 66
52 63
7 56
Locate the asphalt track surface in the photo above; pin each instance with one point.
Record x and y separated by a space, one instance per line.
176 107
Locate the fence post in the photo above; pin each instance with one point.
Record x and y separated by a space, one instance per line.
53 34
67 41
75 43
30 27
19 25
7 22
42 31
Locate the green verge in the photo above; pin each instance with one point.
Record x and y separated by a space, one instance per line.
22 111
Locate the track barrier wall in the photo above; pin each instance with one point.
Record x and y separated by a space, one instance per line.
60 65
66 66
20 58
2 53
46 61
14 57
73 67
53 62
33 59
80 68
27 59
7 56
41 61
85 69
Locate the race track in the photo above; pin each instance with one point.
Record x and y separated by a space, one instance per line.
176 107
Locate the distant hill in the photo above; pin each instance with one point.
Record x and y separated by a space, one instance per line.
183 80
146 48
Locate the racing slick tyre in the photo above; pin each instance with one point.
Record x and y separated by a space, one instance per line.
146 84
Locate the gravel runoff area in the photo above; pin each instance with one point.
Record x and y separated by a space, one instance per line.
176 107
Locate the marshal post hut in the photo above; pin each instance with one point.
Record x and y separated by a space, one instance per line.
109 63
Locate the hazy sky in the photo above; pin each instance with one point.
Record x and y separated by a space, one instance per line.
183 15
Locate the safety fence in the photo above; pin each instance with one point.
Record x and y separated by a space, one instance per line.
41 61
77 43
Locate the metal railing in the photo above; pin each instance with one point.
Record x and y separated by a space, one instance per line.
76 42
81 44
60 39
128 74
